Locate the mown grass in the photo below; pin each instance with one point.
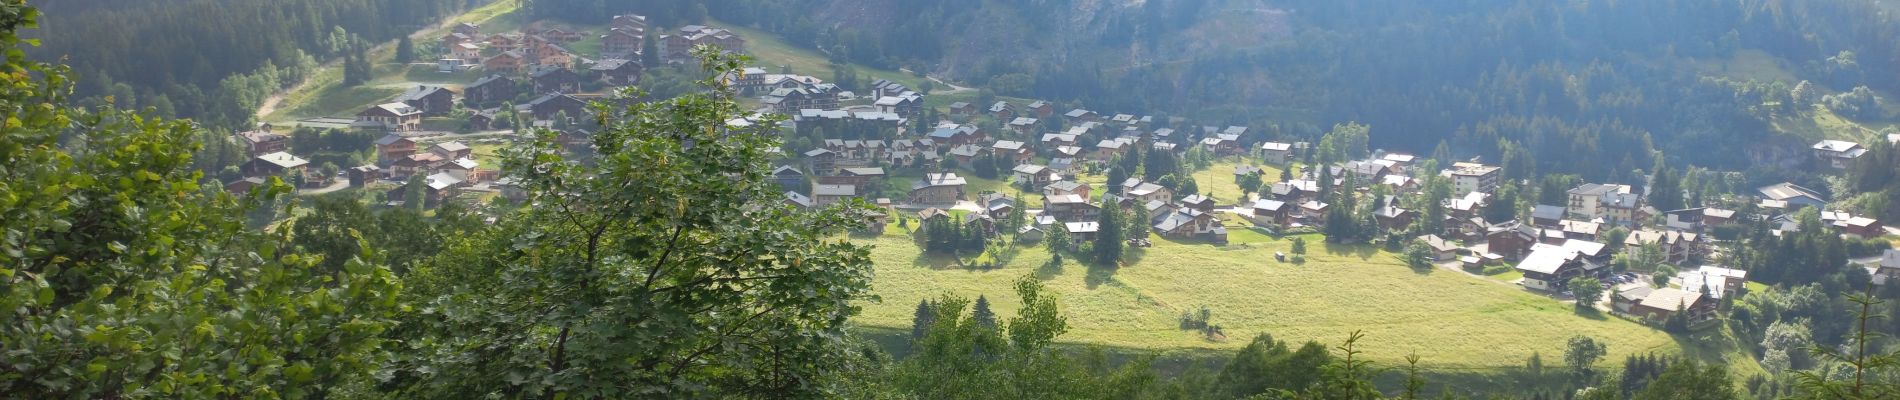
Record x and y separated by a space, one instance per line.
1217 181
770 52
1453 321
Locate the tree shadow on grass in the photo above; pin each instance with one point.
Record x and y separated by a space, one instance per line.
1099 275
1049 269
1364 251
1590 312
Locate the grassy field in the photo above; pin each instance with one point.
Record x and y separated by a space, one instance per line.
1822 123
1217 181
770 52
1454 321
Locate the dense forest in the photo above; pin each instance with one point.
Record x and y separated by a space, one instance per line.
163 54
1591 88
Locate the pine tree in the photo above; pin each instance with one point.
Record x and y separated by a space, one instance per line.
921 322
405 50
981 314
1108 236
1138 220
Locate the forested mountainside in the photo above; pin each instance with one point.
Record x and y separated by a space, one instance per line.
215 60
1589 87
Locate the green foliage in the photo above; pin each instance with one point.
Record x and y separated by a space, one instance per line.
633 276
122 276
1582 353
1690 381
1418 254
1111 235
1267 364
1587 291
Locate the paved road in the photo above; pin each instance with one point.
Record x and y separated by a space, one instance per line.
335 185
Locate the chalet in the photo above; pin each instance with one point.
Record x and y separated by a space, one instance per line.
1888 269
1034 175
629 21
467 29
548 106
932 213
1549 268
905 104
1080 115
363 175
1580 229
1163 135
1270 211
1294 190
463 169
1467 177
439 187
1276 152
1053 140
1312 210
504 42
886 88
392 147
678 48
1064 188
1146 192
996 205
510 61
962 109
1002 110
955 135
1040 109
491 90
1108 149
622 42
1082 232
616 72
1023 125
1393 218
857 177
1546 216
1716 216
1070 207
1013 151
1467 206
1793 195
550 79
825 195
413 164
1511 240
1688 219
1400 162
1677 247
1366 171
966 154
788 177
244 186
1717 282
1198 202
822 160
1400 183
262 142
1442 250
482 120
1837 154
1661 303
1187 223
274 164
432 100
465 51
796 199
937 188
390 117
1627 296
451 150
